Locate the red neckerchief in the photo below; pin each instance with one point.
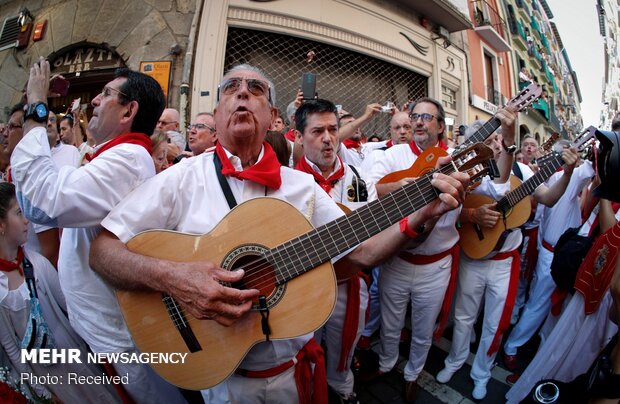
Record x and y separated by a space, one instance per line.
290 135
351 144
265 172
326 183
133 138
10 266
389 144
417 151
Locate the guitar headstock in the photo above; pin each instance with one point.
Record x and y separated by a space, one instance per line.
527 96
474 160
546 147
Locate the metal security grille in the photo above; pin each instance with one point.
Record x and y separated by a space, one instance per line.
344 77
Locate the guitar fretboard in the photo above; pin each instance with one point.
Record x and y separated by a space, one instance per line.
311 249
481 134
551 164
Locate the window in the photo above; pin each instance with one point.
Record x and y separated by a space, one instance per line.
10 31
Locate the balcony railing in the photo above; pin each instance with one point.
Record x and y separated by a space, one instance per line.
490 25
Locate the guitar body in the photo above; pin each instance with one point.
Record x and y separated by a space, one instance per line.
296 308
425 162
477 242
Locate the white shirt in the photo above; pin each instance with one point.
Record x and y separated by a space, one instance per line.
187 197
565 213
77 199
344 191
66 155
356 157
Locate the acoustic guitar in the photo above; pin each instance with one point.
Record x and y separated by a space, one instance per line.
283 257
476 241
427 160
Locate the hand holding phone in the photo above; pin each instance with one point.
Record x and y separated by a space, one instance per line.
308 86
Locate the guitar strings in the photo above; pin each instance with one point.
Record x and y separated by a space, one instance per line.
258 266
363 214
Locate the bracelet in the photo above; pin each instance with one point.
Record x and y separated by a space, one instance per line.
406 230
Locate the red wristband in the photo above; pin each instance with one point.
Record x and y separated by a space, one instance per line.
406 230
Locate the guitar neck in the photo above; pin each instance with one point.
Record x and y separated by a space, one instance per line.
311 249
513 197
481 134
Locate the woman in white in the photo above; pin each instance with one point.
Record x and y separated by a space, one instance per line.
18 313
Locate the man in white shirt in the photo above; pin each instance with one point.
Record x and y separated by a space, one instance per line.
244 113
77 199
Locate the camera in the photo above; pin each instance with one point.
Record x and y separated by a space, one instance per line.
387 108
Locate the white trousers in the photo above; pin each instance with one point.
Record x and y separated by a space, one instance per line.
478 278
523 283
331 333
280 389
426 286
537 306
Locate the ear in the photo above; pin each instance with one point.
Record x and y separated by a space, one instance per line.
299 139
131 110
274 114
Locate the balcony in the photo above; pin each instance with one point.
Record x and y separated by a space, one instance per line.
490 26
520 39
542 107
523 9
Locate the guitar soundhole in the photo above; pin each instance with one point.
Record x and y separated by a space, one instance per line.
259 273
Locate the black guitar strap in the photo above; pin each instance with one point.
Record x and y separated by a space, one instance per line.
230 198
232 202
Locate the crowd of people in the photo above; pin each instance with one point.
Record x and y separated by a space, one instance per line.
76 191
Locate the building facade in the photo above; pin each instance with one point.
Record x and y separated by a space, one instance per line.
609 18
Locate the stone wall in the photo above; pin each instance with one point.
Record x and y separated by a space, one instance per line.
138 30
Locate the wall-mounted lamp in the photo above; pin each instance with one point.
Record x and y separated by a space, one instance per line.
24 17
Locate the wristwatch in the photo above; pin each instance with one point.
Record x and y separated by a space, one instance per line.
509 149
38 112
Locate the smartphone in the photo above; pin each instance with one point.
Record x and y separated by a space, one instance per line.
60 86
308 85
75 105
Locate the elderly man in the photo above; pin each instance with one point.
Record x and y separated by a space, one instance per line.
169 120
249 167
201 133
77 199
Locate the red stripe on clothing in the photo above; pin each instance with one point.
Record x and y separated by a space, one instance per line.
513 284
310 389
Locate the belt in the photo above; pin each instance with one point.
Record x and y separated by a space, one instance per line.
548 246
417 259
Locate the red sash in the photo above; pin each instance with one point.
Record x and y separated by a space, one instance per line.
291 135
351 144
326 183
265 172
504 321
311 353
351 319
133 138
416 150
10 266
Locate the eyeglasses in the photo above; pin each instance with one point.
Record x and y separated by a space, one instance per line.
12 126
255 86
200 126
425 117
165 122
107 91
